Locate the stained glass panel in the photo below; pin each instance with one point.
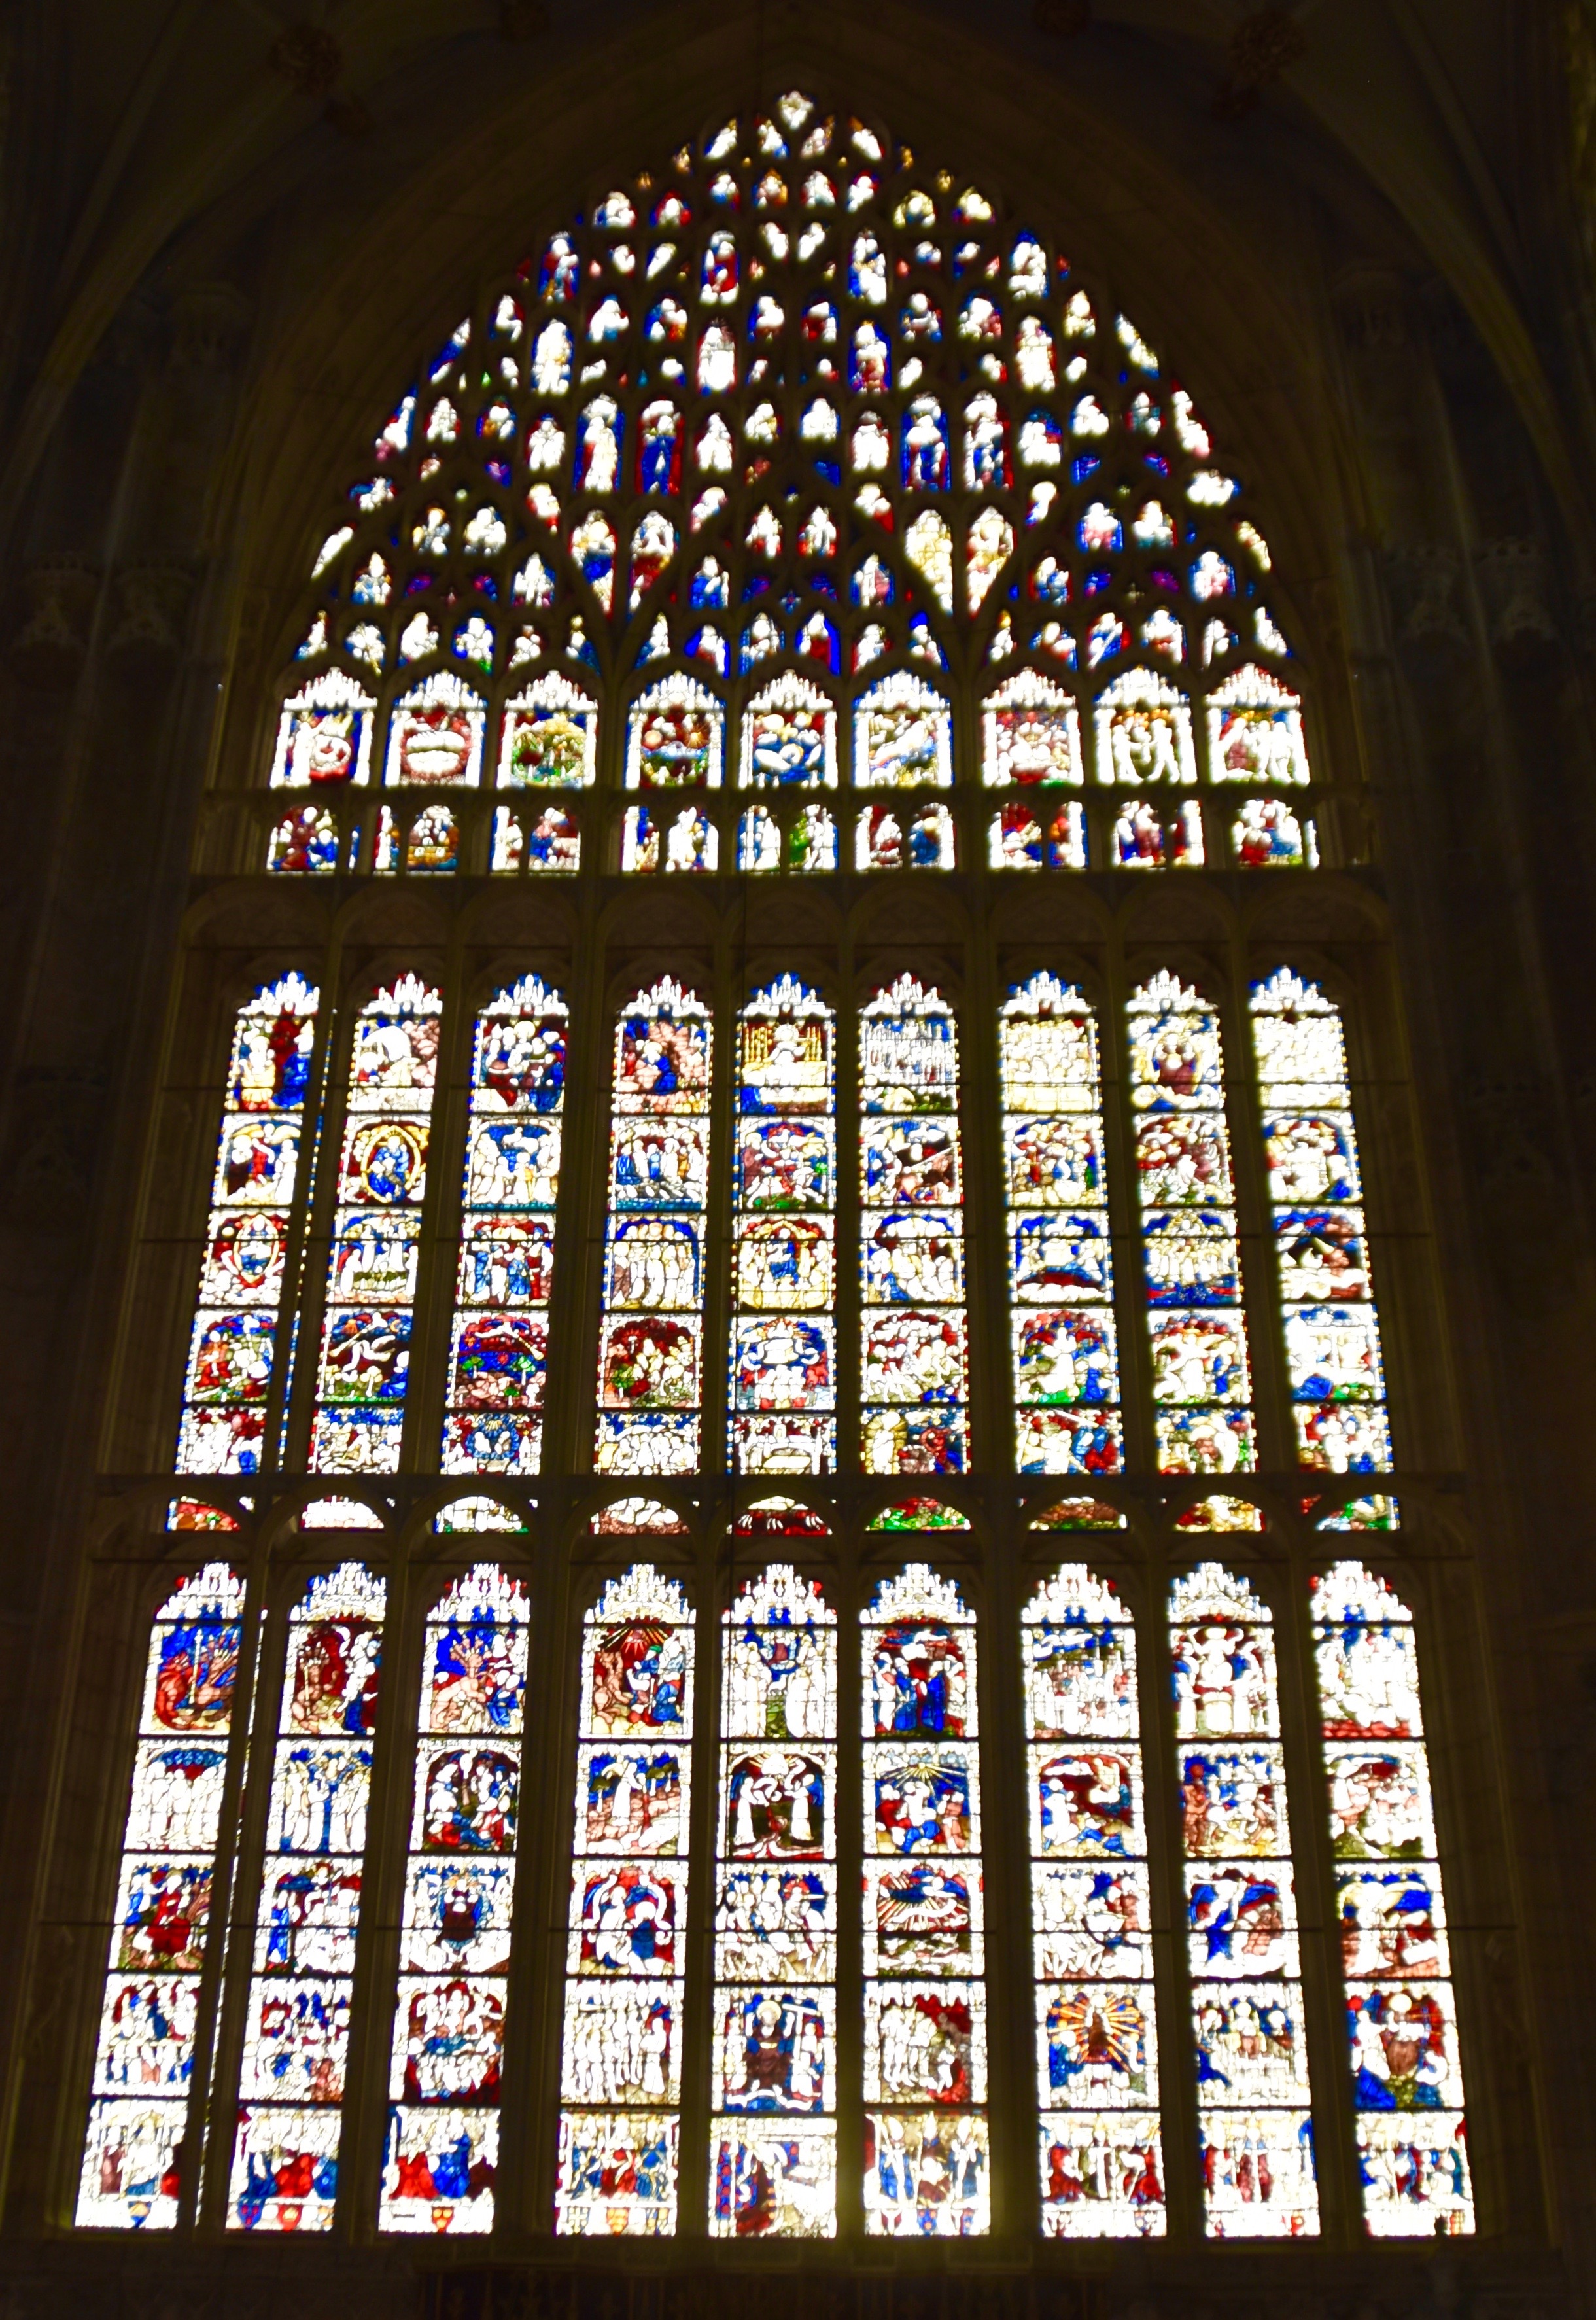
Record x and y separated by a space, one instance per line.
232 1345
133 2157
1097 2034
364 1373
1402 2017
1200 1381
773 2074
925 2147
1333 1331
651 1361
914 1382
441 2155
782 1389
1060 1274
620 2067
1255 2130
296 2035
498 1352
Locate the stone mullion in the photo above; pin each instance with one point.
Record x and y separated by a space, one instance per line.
1165 1860
285 1362
1011 2039
441 1214
845 1106
991 1383
535 1980
714 1587
853 1587
320 1202
1124 1216
222 1971
580 1200
1324 2013
725 994
1255 1224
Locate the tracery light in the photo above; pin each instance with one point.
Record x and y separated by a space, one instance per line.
620 2070
232 1358
770 426
441 2156
1402 2017
131 2176
773 2089
1333 1331
364 1373
651 1355
498 1352
1096 2036
1201 1384
783 1355
925 2145
1060 1272
296 2035
1255 2130
913 1384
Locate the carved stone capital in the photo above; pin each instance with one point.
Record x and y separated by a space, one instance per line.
1424 583
210 320
1513 582
61 590
154 595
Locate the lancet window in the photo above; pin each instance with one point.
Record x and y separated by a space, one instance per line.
296 2030
620 2059
925 2146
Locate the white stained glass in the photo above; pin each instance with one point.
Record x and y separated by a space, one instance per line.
1333 1330
1060 1276
231 1357
499 1348
1196 1330
363 1372
782 1386
441 2155
1100 2148
1401 2018
651 1341
913 1362
132 2172
773 2087
285 2147
620 2061
926 2157
1256 2130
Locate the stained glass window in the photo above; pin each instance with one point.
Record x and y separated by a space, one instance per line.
762 492
913 1369
231 1360
1096 2036
925 2151
296 2035
499 1354
773 2157
1402 2017
1201 1383
651 1353
1060 1272
1333 1331
783 1361
621 2062
132 2167
441 2155
364 1374
1256 2134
